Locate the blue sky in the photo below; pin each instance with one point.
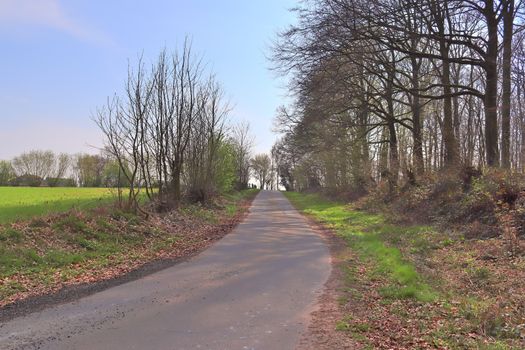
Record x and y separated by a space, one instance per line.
60 59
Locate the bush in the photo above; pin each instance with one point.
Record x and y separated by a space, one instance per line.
478 202
60 182
27 180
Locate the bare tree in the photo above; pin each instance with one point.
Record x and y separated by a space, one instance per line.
167 129
261 166
35 163
88 169
6 172
207 138
508 33
243 144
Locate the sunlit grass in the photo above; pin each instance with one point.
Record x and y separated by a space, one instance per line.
18 203
68 244
367 234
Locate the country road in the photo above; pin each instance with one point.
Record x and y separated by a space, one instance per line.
254 289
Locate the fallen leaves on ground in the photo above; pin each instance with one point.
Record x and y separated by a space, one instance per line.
481 302
174 235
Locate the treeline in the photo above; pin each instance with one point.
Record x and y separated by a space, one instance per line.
393 90
169 133
46 168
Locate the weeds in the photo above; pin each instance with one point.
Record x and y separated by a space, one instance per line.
11 235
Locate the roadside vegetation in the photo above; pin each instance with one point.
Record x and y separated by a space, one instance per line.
172 177
47 253
409 115
366 234
406 285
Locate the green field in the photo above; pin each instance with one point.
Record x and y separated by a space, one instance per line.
18 203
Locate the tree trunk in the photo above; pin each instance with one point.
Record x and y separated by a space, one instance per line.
491 90
451 157
383 154
508 22
449 139
175 185
416 120
364 150
391 124
522 122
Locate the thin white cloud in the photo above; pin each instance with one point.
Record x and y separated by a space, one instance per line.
46 13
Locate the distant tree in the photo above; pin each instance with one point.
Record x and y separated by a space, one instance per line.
62 165
36 163
112 175
243 144
27 181
44 165
226 175
6 172
261 166
203 175
64 161
59 182
285 159
89 170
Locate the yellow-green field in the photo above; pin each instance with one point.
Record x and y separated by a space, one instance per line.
18 203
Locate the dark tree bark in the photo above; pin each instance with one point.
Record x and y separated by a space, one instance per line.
416 119
491 90
508 31
439 11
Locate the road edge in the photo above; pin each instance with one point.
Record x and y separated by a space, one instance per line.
321 333
72 293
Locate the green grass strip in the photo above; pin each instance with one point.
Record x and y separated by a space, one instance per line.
367 234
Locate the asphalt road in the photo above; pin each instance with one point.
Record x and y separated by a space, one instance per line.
254 289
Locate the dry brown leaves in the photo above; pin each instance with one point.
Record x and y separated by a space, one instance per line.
482 302
193 235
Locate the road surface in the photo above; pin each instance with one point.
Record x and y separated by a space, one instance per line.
254 289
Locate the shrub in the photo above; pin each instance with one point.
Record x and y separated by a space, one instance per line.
27 180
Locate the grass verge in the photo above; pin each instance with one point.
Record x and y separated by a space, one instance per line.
45 254
413 287
366 234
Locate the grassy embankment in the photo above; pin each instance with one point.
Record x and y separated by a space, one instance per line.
415 287
47 252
